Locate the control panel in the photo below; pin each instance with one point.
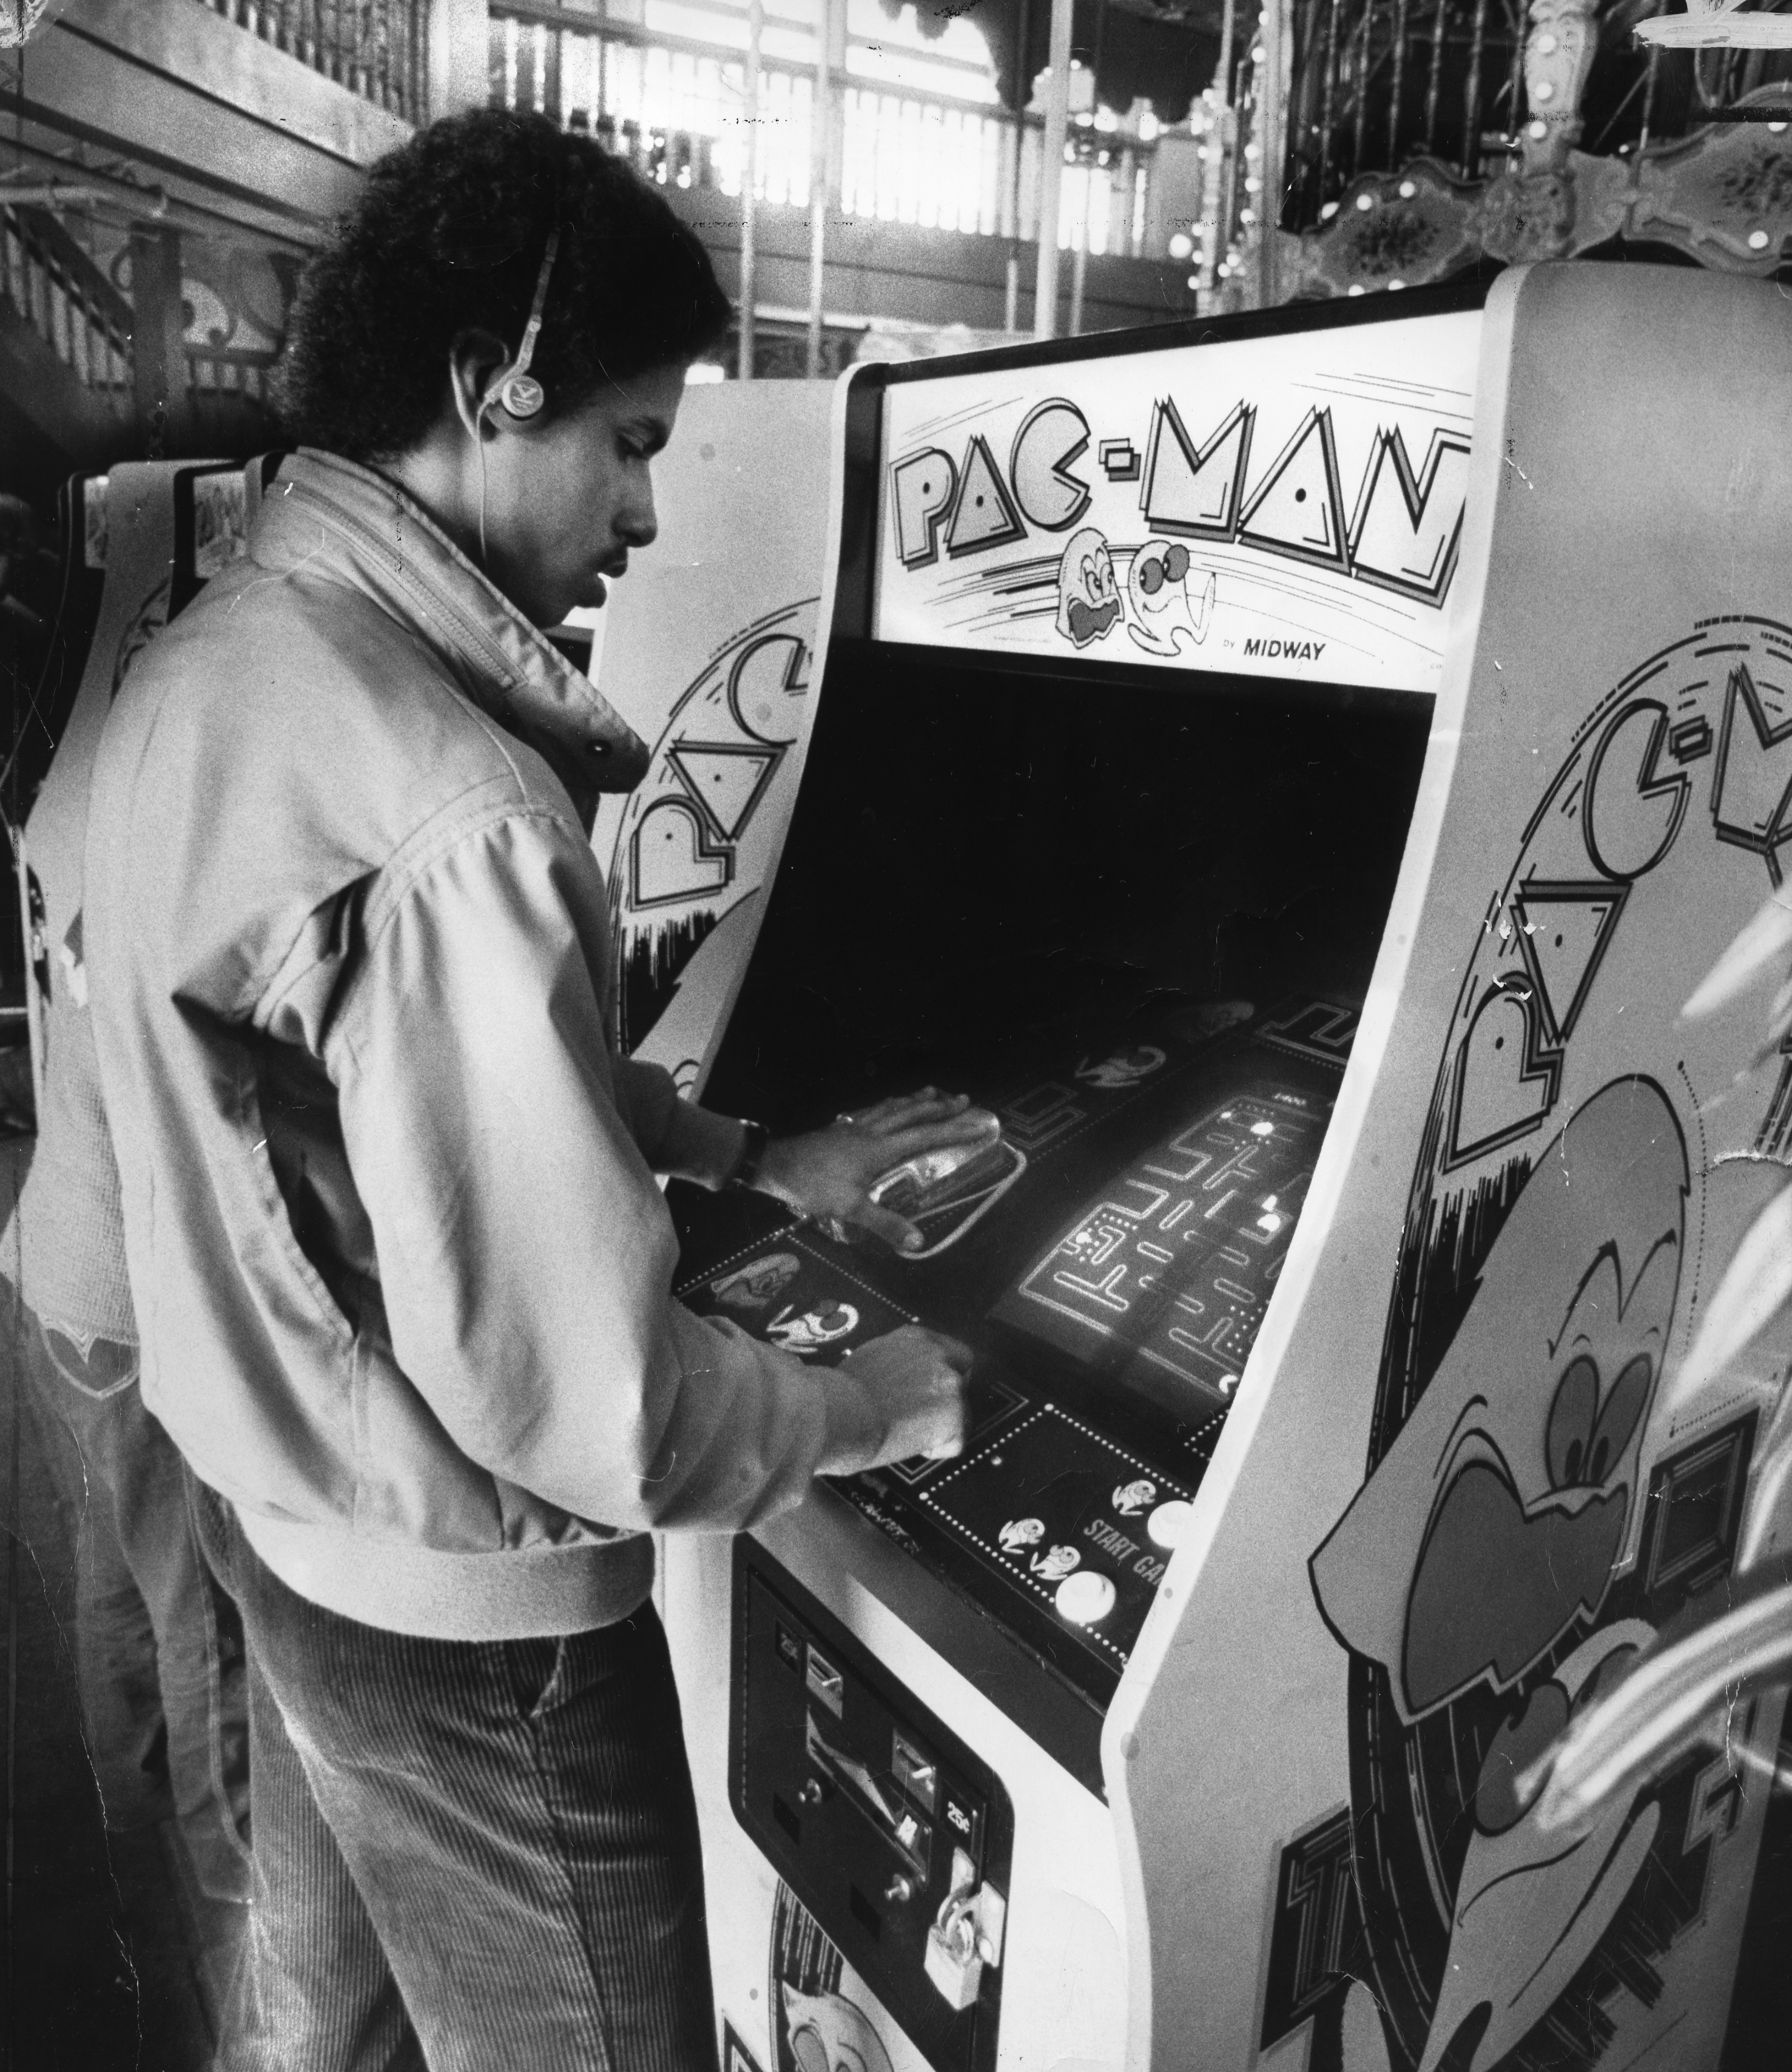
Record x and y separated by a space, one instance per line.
893 1835
1109 1260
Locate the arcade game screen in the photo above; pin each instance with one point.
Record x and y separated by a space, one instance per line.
1134 914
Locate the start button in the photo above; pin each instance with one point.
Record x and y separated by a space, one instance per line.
1085 1597
1170 1522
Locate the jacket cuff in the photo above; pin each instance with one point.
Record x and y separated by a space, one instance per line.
674 1136
699 1145
856 1426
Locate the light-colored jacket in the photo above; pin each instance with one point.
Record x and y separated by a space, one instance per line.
401 1267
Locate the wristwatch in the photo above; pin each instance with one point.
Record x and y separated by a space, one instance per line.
746 1169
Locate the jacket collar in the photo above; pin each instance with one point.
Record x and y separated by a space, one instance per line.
354 525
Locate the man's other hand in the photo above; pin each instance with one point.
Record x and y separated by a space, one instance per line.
830 1173
917 1378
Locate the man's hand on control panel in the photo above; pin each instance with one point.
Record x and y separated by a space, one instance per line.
830 1173
916 1377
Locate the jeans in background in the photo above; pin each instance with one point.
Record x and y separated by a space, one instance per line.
479 1856
158 1647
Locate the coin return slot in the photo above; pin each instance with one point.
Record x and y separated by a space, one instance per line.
867 1916
916 1772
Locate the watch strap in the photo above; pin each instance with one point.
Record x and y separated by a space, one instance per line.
746 1169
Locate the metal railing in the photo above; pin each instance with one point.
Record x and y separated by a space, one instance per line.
378 49
1378 84
673 107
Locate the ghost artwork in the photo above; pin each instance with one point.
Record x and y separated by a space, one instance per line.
1088 598
824 1325
1496 1521
1132 1499
1055 1564
1169 600
1020 1532
831 2034
1123 1068
758 1283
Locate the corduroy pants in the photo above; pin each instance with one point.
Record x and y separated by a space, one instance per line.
476 1856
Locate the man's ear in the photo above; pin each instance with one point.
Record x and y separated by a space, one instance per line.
473 358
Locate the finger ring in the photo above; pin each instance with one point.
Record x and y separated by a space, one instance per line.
850 1120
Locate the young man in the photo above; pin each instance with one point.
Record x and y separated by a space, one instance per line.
402 1269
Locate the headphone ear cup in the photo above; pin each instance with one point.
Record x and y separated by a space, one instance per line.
522 395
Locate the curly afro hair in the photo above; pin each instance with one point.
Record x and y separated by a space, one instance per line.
448 235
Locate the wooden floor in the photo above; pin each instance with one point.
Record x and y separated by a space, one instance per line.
107 1966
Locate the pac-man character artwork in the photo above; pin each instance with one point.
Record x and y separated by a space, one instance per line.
1541 1499
817 2022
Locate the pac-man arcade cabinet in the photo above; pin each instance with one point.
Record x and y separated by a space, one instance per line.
1293 772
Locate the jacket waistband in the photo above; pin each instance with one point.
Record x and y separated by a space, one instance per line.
511 1595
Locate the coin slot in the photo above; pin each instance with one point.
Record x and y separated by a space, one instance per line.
916 1772
827 1683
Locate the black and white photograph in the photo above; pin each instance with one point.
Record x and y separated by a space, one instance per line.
896 1035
